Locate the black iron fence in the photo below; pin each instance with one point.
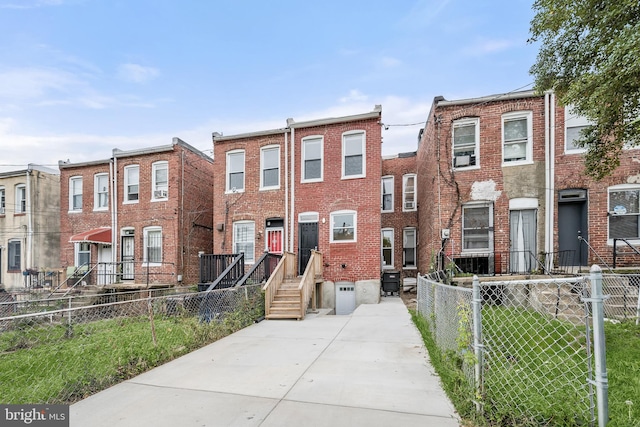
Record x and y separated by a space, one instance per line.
513 262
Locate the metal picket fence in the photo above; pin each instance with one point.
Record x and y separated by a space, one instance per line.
64 355
525 347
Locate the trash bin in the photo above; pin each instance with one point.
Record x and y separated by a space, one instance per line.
390 282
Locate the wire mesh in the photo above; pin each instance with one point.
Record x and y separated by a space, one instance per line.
623 302
535 344
65 355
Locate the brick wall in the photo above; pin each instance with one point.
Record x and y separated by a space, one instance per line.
398 220
185 217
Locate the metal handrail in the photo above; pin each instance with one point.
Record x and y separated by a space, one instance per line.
227 273
585 241
615 249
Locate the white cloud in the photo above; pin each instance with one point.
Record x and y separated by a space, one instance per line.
136 73
488 46
354 95
21 83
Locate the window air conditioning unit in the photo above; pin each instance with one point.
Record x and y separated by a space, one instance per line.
160 194
462 161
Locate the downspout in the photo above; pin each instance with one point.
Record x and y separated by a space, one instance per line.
293 188
113 170
182 230
29 221
286 189
549 135
552 168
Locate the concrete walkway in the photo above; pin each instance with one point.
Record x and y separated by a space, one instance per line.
366 369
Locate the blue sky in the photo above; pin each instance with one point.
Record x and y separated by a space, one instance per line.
81 77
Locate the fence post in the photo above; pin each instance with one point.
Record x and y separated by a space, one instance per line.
477 341
599 350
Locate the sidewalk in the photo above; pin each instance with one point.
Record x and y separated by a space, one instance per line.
366 369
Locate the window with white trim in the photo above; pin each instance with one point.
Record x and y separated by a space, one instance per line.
387 193
409 245
624 212
82 254
160 181
244 240
477 227
387 248
270 167
21 198
312 159
152 251
353 158
101 192
235 171
132 184
466 137
409 193
15 253
517 138
2 201
573 127
75 194
344 226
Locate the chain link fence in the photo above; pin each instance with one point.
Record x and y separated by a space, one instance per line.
623 302
523 347
67 354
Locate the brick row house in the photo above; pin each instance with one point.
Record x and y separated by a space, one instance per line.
29 224
399 208
503 188
140 217
310 185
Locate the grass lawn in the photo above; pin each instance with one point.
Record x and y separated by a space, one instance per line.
536 371
44 363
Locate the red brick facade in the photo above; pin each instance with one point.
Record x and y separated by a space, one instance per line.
183 217
528 184
400 221
318 198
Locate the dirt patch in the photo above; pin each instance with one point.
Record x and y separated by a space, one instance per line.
410 299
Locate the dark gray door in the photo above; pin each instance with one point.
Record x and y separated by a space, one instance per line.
572 222
307 241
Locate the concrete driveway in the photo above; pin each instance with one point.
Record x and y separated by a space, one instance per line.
369 368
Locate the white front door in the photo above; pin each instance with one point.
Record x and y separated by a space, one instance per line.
105 266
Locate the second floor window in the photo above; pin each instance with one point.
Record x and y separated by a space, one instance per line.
312 159
160 180
21 198
235 171
101 192
131 184
387 194
409 193
2 201
270 167
574 125
75 193
517 142
353 162
465 143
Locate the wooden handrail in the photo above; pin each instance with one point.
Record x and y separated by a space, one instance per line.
307 285
282 271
